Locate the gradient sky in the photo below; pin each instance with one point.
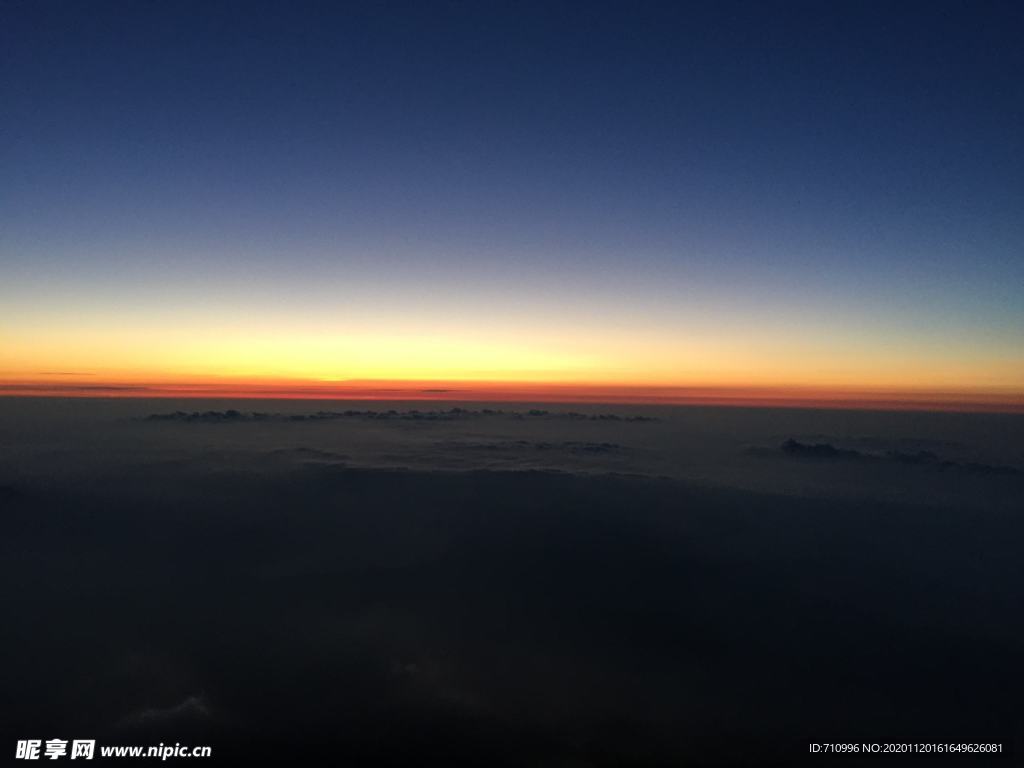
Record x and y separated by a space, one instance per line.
672 194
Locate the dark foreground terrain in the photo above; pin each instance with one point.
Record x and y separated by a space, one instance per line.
287 604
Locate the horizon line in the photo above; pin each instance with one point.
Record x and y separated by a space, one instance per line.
976 400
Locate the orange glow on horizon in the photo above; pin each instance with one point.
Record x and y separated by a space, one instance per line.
747 367
57 384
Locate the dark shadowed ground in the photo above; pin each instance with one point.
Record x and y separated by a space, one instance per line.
509 588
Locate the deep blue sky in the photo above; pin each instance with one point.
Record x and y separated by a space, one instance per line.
852 167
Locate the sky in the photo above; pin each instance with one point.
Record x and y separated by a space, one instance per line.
556 197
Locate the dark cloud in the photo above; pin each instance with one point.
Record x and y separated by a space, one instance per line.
280 593
450 414
311 454
565 446
817 451
876 443
829 452
190 708
57 389
379 617
10 494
